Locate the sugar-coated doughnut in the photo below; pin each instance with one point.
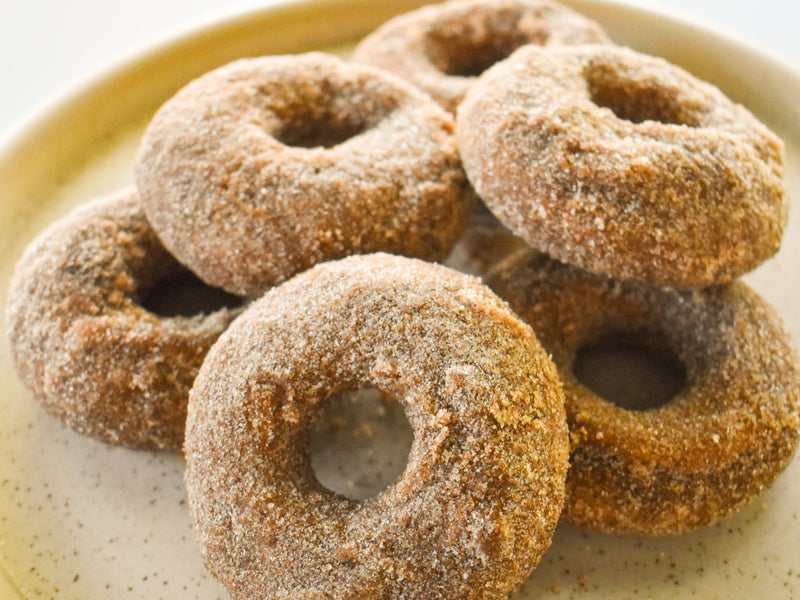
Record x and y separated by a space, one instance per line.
624 164
442 48
481 493
81 339
721 440
261 168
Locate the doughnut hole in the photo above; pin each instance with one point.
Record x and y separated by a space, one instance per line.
634 372
636 99
182 293
318 130
459 55
329 114
359 443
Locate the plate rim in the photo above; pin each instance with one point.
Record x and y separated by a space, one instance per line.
172 38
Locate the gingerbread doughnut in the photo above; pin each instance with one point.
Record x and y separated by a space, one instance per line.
442 48
82 340
722 439
481 493
266 166
624 164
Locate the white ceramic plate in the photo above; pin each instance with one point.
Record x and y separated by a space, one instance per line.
81 520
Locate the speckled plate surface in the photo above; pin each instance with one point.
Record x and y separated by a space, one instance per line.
81 520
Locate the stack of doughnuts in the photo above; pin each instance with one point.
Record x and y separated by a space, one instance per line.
598 191
250 174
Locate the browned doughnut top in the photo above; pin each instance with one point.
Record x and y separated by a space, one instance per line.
482 490
624 164
266 166
81 340
721 440
442 48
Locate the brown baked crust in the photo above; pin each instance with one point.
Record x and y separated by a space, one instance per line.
443 47
686 464
234 193
481 494
83 344
685 188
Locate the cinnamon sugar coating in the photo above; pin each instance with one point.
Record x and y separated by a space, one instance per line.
721 440
624 164
442 48
81 340
480 496
262 168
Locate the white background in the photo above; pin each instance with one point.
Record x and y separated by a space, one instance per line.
46 45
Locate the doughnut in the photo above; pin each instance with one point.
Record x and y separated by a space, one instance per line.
625 165
720 440
82 338
266 166
442 48
480 496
